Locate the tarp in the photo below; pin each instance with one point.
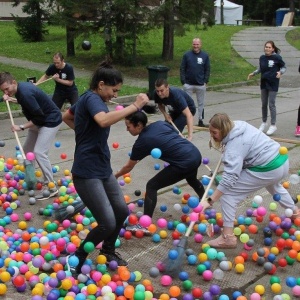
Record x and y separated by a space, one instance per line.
232 12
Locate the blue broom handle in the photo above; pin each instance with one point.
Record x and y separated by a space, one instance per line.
188 232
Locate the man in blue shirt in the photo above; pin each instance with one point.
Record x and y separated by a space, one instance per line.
194 75
181 107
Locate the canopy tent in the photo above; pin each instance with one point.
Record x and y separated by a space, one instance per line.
232 12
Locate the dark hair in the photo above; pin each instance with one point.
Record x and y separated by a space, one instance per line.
161 81
106 73
276 49
6 77
59 55
137 117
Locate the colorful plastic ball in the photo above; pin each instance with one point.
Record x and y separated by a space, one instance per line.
276 288
218 274
89 247
187 285
166 280
154 272
174 291
258 199
205 160
63 156
255 296
259 289
276 197
207 275
3 289
162 223
283 150
173 254
57 144
193 202
30 156
145 221
156 153
183 275
205 180
244 238
115 145
291 281
296 290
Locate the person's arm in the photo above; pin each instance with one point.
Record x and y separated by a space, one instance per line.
62 81
162 108
22 127
68 118
126 168
43 78
208 202
257 71
104 119
207 71
189 121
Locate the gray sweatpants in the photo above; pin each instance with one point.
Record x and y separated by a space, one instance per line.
250 182
268 97
200 94
39 140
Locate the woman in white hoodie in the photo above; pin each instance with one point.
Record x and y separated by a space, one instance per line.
251 161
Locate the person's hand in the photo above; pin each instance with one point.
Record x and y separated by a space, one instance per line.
250 76
5 97
205 204
15 128
278 74
55 76
141 100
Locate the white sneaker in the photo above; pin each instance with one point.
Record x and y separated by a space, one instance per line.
263 126
271 129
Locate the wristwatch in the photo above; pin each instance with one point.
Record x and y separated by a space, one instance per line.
210 201
22 127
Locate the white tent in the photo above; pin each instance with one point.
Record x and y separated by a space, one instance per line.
232 12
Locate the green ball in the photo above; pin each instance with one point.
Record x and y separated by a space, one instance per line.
88 247
244 238
212 253
201 268
274 279
118 243
187 285
88 213
49 256
290 260
248 221
139 295
101 268
36 251
254 205
285 235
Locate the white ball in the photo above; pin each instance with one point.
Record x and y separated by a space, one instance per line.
294 179
106 289
288 212
258 199
177 207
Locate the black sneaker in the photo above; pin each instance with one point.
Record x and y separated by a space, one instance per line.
201 124
135 228
110 256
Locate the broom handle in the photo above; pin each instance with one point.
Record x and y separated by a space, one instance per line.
16 134
176 128
44 81
188 232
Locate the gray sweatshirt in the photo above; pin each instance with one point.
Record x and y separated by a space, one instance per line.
245 146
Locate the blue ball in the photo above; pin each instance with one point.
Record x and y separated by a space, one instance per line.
268 241
170 225
156 153
73 261
193 202
183 276
173 254
181 228
57 144
140 202
291 281
236 294
202 228
192 259
276 197
205 180
156 166
156 238
185 209
163 208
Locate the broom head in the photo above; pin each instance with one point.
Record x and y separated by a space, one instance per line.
30 178
65 212
174 266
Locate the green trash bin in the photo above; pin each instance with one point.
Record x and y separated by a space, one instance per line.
154 73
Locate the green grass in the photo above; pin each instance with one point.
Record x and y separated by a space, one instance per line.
293 37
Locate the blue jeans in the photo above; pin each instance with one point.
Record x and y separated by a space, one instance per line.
105 200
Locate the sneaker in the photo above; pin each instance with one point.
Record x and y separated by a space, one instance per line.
263 126
271 129
297 131
113 255
201 124
135 228
224 242
46 193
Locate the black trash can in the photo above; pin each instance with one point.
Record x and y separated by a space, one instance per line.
156 72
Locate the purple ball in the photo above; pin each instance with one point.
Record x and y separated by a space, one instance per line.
122 231
273 226
52 296
215 289
249 212
217 228
38 297
21 288
113 265
208 296
53 282
188 297
205 161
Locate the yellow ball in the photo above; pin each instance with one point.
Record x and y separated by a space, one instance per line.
22 225
274 250
276 288
283 150
259 289
37 291
163 234
164 297
127 179
66 284
239 268
202 257
67 172
38 173
3 288
106 278
51 185
91 289
5 276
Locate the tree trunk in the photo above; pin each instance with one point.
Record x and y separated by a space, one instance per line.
70 33
222 12
168 38
292 5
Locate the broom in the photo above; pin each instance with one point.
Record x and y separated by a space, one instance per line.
67 212
174 266
30 178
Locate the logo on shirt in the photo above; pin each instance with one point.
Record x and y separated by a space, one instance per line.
63 76
271 63
199 61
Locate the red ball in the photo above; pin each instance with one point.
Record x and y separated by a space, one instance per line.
273 271
186 196
133 219
197 292
139 234
279 231
63 156
115 145
282 262
18 280
39 186
127 235
175 235
149 288
280 243
259 219
244 255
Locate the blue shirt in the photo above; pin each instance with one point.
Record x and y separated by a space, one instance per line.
195 68
178 99
36 105
177 151
92 156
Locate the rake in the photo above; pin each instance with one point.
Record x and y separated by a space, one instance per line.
30 178
174 266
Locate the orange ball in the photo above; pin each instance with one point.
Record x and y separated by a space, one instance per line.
253 228
293 253
286 184
174 291
239 259
129 291
152 228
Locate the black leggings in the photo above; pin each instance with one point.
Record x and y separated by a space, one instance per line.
105 200
166 177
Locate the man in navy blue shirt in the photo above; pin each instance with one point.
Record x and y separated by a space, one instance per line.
63 75
181 107
194 75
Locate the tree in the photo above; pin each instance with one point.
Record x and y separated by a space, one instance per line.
32 28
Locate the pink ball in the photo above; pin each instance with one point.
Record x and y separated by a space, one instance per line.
119 107
261 211
113 285
71 248
162 223
246 247
198 237
23 269
255 296
61 242
66 224
14 217
30 156
131 207
145 221
198 209
27 216
296 290
27 257
207 275
96 276
194 216
166 280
